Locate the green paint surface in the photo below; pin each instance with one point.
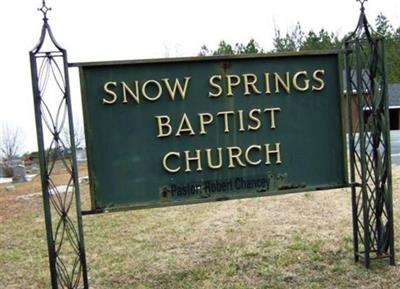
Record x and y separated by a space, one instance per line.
125 155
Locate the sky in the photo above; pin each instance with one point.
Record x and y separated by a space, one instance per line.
99 30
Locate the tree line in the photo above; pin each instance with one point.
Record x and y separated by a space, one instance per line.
299 40
11 138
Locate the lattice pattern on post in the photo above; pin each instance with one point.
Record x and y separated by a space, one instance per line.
53 113
369 141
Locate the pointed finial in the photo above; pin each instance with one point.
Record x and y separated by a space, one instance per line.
362 3
44 9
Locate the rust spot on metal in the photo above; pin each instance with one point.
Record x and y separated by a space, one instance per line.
165 193
279 182
225 66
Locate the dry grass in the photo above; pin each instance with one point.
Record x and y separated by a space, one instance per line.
293 241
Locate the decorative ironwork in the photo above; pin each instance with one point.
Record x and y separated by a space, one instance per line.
44 9
362 3
369 140
62 208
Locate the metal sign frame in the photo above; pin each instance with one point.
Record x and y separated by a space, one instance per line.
370 166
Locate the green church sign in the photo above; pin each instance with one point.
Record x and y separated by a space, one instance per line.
169 132
166 132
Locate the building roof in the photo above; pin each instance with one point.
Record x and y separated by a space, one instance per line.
394 94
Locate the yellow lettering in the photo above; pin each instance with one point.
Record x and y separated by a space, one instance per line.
165 159
135 95
254 119
215 85
204 121
110 92
177 86
235 156
247 153
209 161
188 159
163 122
158 86
318 79
267 86
272 115
285 84
276 151
185 126
250 83
226 119
232 81
306 81
241 124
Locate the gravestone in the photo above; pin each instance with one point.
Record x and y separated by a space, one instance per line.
81 154
19 174
34 169
9 188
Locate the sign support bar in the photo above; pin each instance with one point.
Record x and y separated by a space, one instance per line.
369 140
53 115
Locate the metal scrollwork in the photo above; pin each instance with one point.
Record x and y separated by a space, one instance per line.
369 140
61 199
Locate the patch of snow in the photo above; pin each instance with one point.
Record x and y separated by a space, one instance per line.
5 180
59 189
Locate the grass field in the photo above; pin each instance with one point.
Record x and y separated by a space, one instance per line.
292 241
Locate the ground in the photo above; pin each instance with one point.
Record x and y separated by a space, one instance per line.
293 241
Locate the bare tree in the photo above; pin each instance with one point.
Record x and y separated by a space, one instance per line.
79 135
11 141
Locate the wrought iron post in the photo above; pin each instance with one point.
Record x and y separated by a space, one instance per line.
53 115
369 141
